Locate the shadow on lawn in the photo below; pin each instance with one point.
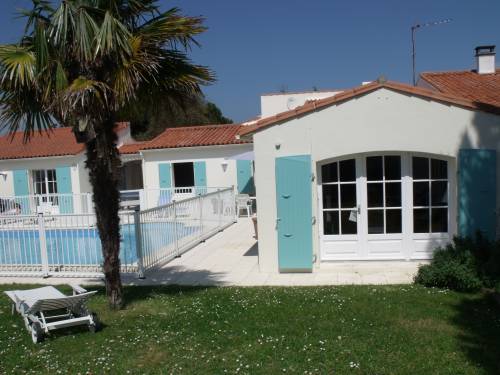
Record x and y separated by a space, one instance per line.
479 320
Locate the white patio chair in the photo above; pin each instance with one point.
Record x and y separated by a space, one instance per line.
39 310
243 202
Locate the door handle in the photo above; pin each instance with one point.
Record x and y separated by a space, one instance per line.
287 235
286 196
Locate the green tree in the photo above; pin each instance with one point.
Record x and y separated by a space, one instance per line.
78 64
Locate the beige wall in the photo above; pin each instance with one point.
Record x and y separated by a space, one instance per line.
382 120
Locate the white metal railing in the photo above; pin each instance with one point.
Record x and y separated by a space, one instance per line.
54 204
51 204
69 244
62 245
170 230
150 198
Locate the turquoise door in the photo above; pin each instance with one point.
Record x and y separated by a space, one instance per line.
477 192
63 179
21 189
294 213
245 177
200 176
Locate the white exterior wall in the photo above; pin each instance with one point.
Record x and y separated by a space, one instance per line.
382 120
214 156
78 172
271 104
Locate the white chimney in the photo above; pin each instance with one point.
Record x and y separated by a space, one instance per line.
485 59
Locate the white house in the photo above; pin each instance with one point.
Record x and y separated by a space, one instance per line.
384 171
48 173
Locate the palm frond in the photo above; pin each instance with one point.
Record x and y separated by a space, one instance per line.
172 28
112 37
17 65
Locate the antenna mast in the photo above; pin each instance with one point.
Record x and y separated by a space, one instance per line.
414 29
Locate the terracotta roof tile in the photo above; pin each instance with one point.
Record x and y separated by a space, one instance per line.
483 88
56 142
364 89
194 136
132 148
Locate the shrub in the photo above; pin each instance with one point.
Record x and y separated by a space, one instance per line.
465 265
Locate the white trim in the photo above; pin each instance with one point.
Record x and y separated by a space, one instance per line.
405 245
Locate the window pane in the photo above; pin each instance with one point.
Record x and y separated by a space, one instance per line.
439 191
439 220
420 168
348 195
330 196
375 221
375 194
329 172
374 170
392 164
348 226
439 169
330 222
393 194
347 170
393 221
420 194
421 220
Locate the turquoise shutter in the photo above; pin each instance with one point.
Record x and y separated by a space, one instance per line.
165 180
63 179
164 171
200 175
245 177
477 192
21 189
294 213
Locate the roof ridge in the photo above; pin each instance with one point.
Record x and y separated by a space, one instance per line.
202 126
364 89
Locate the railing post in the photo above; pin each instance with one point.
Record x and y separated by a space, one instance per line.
201 215
138 244
176 233
44 258
220 207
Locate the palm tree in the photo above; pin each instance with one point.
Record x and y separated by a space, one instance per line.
82 61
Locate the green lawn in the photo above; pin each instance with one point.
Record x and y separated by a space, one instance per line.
300 330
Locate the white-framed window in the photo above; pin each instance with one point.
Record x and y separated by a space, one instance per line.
430 195
339 197
45 184
383 191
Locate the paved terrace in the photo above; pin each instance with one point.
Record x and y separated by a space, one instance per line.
231 258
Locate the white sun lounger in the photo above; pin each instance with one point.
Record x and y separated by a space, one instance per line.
45 309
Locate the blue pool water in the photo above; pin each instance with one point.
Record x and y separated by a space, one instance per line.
81 246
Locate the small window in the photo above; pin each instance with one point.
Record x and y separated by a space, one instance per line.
430 195
45 184
183 174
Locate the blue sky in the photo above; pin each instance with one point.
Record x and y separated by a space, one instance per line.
260 46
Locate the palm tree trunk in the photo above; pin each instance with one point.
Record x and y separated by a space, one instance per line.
103 162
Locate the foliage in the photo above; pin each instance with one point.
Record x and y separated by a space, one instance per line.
147 123
273 330
466 264
81 62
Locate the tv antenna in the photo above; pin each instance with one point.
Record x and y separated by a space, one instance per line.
414 29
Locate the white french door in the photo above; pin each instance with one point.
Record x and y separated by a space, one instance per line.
383 206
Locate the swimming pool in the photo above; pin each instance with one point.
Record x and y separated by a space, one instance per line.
82 246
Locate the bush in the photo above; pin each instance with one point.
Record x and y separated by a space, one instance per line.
465 265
